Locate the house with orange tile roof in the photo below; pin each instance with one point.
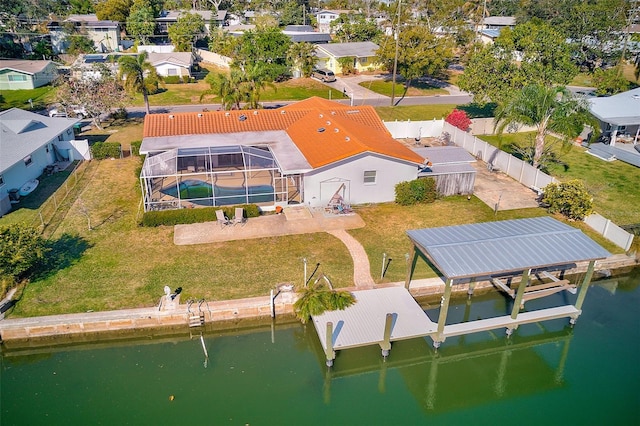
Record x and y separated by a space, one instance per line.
303 153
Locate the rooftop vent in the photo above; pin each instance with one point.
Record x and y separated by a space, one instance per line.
199 114
226 114
636 96
333 113
321 129
242 117
255 112
336 130
347 138
283 112
353 111
171 116
321 115
328 123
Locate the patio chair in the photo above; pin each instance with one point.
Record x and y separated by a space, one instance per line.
222 219
238 217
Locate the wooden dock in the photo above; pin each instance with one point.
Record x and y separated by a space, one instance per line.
381 316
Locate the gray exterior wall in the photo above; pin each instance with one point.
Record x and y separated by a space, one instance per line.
321 184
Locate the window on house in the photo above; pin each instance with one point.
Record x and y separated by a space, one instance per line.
60 137
47 148
369 177
69 132
172 71
363 60
27 160
17 77
1 180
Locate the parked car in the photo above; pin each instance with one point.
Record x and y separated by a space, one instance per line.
60 111
323 75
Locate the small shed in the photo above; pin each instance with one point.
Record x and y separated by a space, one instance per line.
451 168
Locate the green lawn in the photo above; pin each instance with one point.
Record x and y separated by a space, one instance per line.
291 90
384 87
614 185
118 265
41 97
431 111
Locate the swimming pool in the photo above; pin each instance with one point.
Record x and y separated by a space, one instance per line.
193 189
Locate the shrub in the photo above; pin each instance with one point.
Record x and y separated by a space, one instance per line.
172 79
21 249
198 215
417 191
459 119
186 79
135 147
119 114
571 199
102 150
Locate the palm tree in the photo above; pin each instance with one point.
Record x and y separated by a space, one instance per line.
548 109
134 70
301 56
255 79
225 87
319 297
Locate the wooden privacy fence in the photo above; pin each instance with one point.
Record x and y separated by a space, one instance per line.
49 208
531 177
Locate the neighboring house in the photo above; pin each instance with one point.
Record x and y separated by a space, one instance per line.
211 20
493 25
172 64
619 115
305 33
92 65
22 74
302 153
326 17
498 22
104 34
363 54
29 143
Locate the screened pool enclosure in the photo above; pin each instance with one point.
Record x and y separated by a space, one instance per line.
216 176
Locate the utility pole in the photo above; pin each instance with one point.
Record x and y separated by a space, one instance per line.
395 58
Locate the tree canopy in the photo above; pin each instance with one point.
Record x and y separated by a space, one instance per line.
531 53
420 53
138 73
97 95
187 29
268 46
113 10
140 23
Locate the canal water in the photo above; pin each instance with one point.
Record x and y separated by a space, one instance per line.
546 373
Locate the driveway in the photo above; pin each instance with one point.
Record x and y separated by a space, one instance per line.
501 192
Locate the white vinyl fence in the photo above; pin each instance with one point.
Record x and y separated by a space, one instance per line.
213 58
414 129
531 177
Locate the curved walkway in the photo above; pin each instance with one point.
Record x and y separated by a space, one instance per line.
361 267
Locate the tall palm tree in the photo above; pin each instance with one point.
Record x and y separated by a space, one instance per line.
134 70
548 109
255 79
226 88
301 57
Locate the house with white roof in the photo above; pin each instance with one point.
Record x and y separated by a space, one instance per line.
363 54
619 115
326 17
18 74
172 64
29 143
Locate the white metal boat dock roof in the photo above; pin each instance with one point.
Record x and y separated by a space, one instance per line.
483 249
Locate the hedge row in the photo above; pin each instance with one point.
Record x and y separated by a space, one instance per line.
197 215
176 79
102 150
417 191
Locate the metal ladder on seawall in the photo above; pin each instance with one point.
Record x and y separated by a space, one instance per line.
196 318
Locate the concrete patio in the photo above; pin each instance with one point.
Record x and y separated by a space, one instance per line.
294 220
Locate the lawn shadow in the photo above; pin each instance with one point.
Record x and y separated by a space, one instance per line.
46 187
475 110
61 253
